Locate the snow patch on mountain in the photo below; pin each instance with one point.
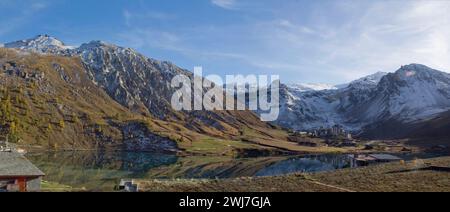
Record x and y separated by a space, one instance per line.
41 44
371 79
312 87
367 82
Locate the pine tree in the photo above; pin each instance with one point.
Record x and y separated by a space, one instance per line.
116 116
5 109
13 135
75 118
49 128
62 124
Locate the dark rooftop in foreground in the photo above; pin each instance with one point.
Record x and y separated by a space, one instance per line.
13 164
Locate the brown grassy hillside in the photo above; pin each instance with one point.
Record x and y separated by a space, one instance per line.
47 101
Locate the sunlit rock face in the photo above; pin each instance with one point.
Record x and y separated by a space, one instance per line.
138 138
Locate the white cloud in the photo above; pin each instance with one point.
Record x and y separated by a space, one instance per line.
226 4
132 16
375 36
144 38
299 29
332 43
394 34
38 6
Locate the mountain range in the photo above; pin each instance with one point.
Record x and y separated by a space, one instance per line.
412 95
139 87
127 95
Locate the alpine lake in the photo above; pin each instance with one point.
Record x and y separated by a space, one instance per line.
102 171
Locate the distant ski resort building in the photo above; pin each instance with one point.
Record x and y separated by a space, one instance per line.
333 136
17 174
335 131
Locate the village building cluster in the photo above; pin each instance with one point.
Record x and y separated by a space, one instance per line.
335 131
334 136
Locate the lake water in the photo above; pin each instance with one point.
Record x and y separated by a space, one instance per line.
101 171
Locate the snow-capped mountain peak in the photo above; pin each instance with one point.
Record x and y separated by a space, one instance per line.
40 44
374 78
420 72
371 80
96 44
303 87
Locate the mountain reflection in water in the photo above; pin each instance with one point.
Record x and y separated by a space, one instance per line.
316 163
101 171
97 171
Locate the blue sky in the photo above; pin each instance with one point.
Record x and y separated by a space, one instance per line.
321 41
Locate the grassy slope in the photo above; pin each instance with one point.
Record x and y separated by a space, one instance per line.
432 133
380 178
56 187
422 135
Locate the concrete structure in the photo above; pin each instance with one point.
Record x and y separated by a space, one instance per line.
127 186
17 174
364 160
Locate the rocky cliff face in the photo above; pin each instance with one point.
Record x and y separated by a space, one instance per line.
130 78
137 137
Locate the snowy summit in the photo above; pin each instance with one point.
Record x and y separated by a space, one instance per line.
40 44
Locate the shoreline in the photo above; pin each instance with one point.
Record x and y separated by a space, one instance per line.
395 177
